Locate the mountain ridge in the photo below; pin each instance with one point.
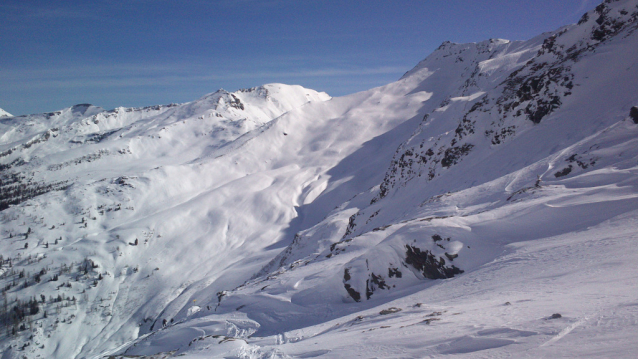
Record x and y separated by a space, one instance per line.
4 113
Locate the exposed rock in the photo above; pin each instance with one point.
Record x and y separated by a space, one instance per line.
394 272
427 263
564 172
351 291
390 310
451 256
235 103
373 283
454 154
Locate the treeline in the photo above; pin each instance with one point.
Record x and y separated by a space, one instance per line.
24 279
14 316
18 314
14 189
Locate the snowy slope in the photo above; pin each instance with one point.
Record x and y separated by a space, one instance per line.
4 113
452 212
119 171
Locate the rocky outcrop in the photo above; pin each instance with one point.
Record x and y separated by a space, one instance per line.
428 264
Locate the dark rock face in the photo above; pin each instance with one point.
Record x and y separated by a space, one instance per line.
351 291
564 172
582 160
606 25
454 154
429 265
394 272
351 226
633 113
412 161
373 283
235 103
538 87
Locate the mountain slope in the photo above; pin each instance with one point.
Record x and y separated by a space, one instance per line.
452 212
4 113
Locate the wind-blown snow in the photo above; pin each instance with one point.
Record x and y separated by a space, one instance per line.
483 205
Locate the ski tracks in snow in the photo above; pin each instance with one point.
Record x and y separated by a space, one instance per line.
564 332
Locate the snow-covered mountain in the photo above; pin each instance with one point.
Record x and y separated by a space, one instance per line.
484 204
4 113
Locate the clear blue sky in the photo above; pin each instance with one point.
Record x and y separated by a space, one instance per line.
145 52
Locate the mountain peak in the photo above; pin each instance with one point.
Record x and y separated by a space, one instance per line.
85 108
462 54
4 113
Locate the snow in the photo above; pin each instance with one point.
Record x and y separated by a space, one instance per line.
280 222
4 113
192 310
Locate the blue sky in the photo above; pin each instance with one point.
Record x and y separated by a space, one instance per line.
145 52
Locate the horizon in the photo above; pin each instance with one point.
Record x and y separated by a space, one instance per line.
158 52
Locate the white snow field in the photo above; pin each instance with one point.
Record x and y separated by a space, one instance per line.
485 205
